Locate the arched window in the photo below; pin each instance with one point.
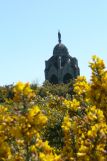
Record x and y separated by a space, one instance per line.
54 79
67 77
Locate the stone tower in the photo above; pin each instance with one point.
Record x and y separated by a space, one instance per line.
61 67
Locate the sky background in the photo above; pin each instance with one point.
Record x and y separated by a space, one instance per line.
28 34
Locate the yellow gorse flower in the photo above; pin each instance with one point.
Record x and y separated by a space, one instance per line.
54 128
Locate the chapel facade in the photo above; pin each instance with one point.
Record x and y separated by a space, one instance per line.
61 67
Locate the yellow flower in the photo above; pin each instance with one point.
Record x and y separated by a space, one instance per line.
34 111
72 105
33 148
66 125
19 86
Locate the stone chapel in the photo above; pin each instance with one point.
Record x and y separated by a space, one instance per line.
61 67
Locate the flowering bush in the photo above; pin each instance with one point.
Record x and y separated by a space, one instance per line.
54 128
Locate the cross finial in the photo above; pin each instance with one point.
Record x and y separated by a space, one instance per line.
59 37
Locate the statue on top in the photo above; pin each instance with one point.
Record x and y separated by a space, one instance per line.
59 37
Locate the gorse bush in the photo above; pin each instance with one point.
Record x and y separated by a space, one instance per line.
55 123
55 89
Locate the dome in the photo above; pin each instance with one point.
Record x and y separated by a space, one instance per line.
60 49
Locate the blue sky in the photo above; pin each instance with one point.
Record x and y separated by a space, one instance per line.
28 34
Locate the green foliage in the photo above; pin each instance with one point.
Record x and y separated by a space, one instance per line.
6 93
55 89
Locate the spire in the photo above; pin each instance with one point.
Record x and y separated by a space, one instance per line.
59 37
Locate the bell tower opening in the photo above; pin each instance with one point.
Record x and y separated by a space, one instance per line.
54 79
67 77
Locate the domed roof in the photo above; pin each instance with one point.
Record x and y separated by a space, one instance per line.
60 49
